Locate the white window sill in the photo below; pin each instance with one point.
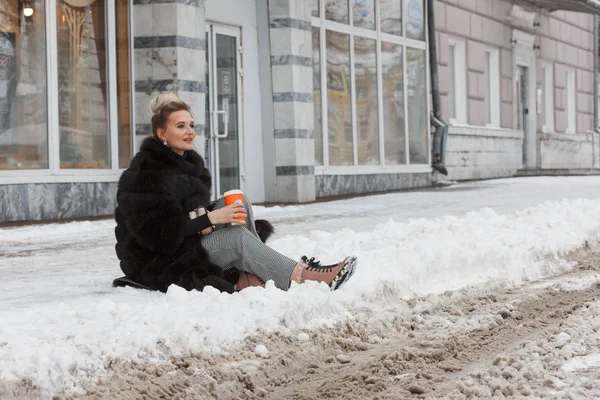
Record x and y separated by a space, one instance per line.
547 129
455 122
483 127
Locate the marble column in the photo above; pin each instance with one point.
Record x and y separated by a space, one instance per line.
291 69
170 56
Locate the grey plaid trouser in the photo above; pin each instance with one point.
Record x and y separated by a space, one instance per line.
239 246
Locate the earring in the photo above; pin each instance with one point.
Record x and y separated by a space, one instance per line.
165 143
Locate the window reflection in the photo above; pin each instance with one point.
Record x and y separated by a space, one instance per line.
23 98
337 10
417 105
365 67
396 17
314 8
391 16
364 13
318 117
415 20
393 103
339 113
82 84
123 82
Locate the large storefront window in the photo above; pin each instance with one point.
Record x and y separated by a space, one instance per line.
23 89
391 16
393 103
82 84
126 131
318 110
417 105
364 13
415 26
57 110
375 115
339 97
314 8
336 10
367 123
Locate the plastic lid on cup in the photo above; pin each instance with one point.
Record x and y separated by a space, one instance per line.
234 191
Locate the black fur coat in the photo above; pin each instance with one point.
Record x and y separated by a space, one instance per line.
153 200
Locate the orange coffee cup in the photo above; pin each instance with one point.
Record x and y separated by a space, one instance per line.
230 197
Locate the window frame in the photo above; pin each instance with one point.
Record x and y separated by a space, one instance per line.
493 76
54 174
460 81
571 101
326 25
547 97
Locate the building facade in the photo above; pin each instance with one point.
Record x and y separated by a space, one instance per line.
517 87
294 100
78 76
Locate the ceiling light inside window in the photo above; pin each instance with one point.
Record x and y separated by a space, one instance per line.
27 9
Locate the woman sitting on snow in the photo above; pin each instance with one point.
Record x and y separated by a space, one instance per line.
159 244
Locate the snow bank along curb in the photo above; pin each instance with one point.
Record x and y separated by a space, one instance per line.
62 343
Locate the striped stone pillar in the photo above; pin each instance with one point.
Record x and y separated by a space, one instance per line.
169 56
291 69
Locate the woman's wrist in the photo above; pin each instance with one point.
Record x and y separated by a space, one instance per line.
201 213
204 211
210 216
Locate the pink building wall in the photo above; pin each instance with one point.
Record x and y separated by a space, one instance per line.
565 40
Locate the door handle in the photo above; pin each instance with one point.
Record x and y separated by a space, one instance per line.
225 124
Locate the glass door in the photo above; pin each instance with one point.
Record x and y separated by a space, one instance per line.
223 107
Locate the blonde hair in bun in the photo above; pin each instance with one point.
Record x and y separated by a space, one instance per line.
161 100
161 107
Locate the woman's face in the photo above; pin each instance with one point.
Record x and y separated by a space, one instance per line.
179 132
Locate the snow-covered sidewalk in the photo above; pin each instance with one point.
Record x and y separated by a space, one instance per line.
61 323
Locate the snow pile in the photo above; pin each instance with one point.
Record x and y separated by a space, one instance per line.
423 257
584 362
553 366
60 341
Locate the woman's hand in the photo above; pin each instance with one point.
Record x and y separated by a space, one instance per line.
227 214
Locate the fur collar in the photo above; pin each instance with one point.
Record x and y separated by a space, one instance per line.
161 157
158 169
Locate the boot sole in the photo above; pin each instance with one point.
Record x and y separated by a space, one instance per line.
345 274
